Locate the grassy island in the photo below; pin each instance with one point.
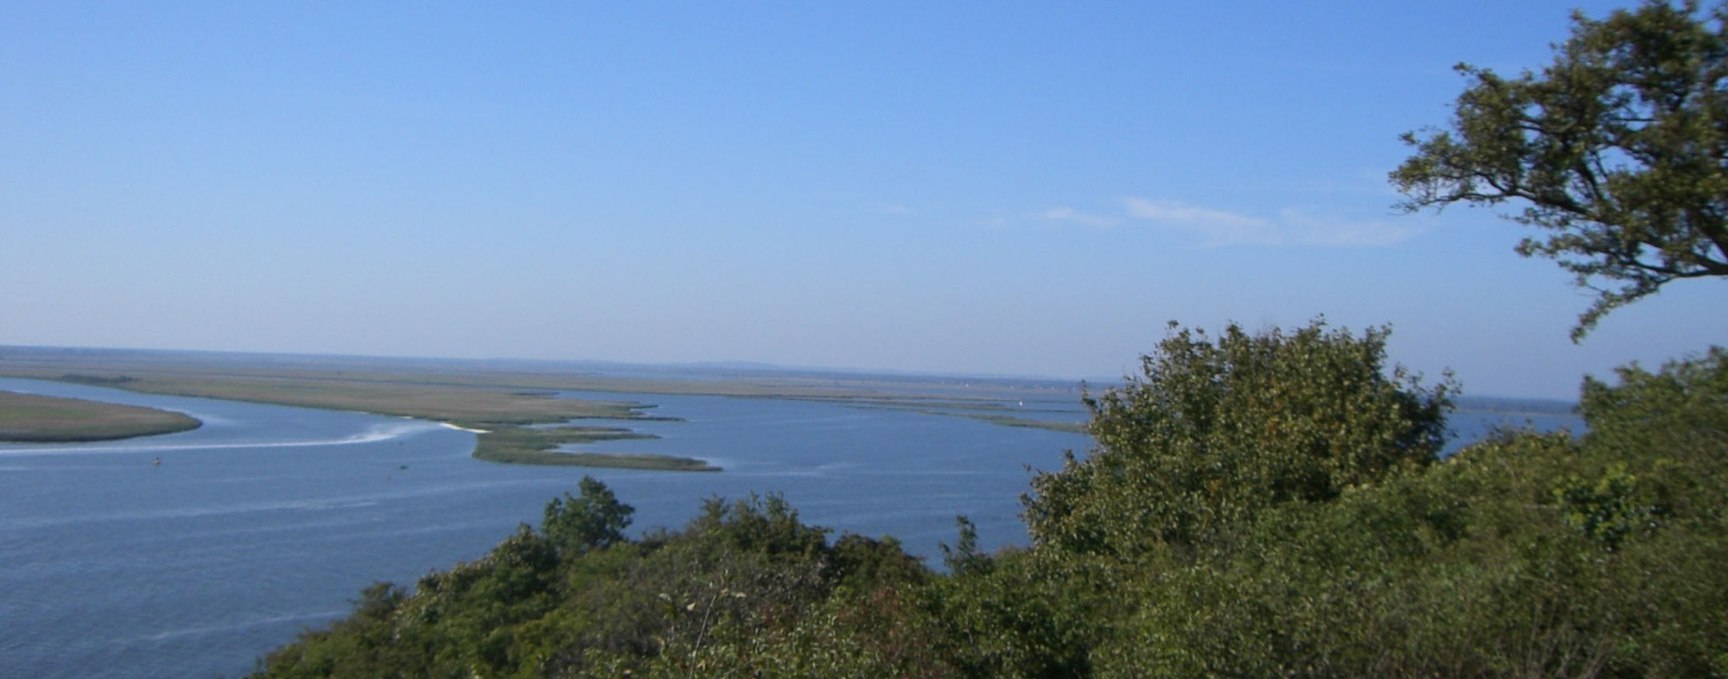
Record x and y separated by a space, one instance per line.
524 445
49 419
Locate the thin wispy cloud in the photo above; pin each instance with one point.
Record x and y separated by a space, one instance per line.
1222 228
1313 230
1068 215
1216 227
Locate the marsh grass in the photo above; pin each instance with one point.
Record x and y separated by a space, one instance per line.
506 413
524 445
49 419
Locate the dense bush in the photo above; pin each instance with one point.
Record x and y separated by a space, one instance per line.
1212 433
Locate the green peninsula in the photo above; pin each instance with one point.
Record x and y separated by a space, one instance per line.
50 419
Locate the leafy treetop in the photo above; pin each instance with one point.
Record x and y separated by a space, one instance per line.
1618 150
1215 431
593 519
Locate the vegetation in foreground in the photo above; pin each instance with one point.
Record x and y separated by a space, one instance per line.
49 419
1257 505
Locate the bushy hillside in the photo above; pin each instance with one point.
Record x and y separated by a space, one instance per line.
1307 530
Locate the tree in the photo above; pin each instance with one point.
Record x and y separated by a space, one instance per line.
1618 150
1214 432
594 519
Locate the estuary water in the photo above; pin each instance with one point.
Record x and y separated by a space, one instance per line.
269 519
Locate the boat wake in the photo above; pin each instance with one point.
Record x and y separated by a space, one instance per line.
375 434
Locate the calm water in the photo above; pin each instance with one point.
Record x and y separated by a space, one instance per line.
270 519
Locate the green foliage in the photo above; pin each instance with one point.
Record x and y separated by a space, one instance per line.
866 564
1606 509
767 526
1212 433
1681 404
1615 149
594 519
1526 554
964 557
1382 581
746 588
1022 614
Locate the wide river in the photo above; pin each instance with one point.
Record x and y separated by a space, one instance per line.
190 554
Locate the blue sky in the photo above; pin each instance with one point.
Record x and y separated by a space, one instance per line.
995 187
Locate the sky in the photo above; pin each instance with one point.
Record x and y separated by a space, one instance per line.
1002 188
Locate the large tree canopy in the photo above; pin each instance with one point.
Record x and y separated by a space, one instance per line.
1618 150
1215 431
